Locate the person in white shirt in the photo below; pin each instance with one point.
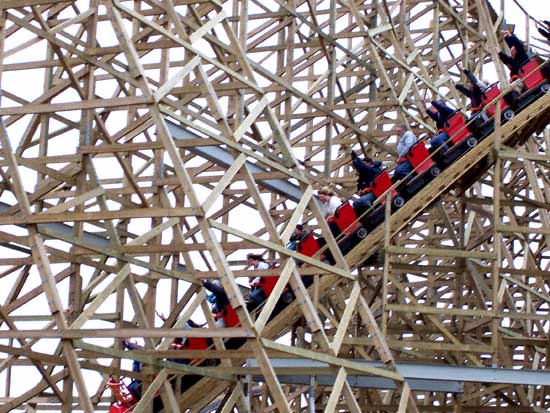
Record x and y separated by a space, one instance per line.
329 202
256 261
406 142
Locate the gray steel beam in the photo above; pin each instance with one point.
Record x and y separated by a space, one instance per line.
88 237
67 230
222 157
214 154
430 372
371 382
55 227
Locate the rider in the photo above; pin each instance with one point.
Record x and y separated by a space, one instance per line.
517 57
440 114
474 90
406 142
367 170
257 262
135 386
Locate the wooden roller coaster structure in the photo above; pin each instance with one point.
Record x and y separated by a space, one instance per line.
147 146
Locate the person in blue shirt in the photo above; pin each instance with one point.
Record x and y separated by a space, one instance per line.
367 170
218 298
296 237
473 91
406 142
440 114
135 385
517 57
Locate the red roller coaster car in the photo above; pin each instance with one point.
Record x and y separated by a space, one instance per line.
125 399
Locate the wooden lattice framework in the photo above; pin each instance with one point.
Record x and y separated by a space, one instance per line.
106 219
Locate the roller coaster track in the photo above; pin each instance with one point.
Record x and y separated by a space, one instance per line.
113 213
531 120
